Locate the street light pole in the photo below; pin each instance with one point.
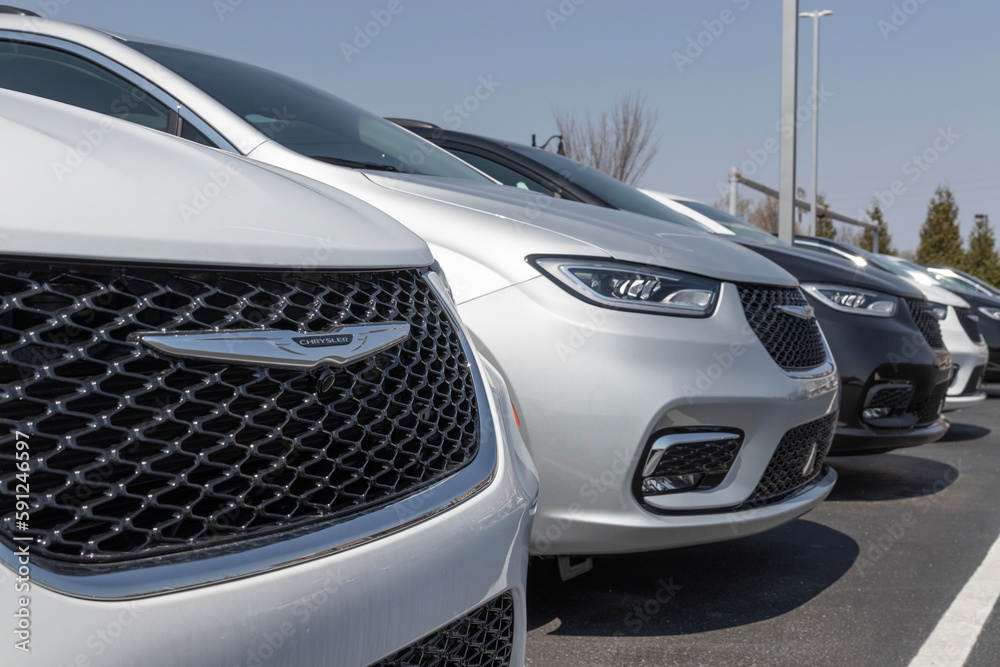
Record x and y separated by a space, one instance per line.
815 16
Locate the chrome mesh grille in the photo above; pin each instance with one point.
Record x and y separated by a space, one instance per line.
793 343
134 454
926 323
798 459
482 638
970 322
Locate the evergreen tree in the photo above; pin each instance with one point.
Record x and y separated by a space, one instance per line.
824 225
884 239
982 260
940 239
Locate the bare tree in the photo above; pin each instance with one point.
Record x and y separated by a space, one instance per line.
620 142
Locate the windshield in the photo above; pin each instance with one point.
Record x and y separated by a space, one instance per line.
611 190
732 223
955 281
308 120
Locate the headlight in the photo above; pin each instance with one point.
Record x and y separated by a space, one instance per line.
633 287
853 299
992 313
938 311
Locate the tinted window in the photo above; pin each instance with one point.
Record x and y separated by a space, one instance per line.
732 223
611 190
501 173
308 120
63 77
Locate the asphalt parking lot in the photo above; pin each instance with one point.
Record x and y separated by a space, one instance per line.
862 580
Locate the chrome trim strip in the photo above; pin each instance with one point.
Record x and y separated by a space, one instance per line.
281 550
131 76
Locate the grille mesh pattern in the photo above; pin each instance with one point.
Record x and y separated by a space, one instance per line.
134 454
786 471
970 322
928 325
976 379
892 396
928 410
703 457
483 638
793 343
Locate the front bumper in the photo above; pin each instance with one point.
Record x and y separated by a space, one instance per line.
593 385
348 607
874 350
970 358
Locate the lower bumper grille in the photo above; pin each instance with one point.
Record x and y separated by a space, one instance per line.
798 460
976 379
482 638
928 410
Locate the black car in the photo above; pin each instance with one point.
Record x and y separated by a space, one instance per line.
893 365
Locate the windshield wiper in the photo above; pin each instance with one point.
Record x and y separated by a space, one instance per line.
354 164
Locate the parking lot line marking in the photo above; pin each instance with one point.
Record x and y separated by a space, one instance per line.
956 633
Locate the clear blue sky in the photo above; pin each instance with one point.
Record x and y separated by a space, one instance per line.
893 93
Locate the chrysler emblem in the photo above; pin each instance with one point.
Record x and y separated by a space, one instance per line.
801 312
337 347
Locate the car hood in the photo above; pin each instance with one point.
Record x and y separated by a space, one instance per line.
625 236
812 267
86 185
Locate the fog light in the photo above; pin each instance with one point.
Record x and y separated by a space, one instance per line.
655 485
687 461
876 413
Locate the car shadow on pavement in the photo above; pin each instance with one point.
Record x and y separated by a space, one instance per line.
888 477
692 590
964 433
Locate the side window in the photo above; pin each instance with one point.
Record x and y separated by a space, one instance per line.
191 133
503 174
63 77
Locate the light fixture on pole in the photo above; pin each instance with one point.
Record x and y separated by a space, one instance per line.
815 16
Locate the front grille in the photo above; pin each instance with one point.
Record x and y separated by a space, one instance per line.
793 343
970 322
799 458
136 455
482 638
928 410
927 323
976 379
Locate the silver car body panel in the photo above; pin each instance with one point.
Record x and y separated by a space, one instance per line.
590 384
